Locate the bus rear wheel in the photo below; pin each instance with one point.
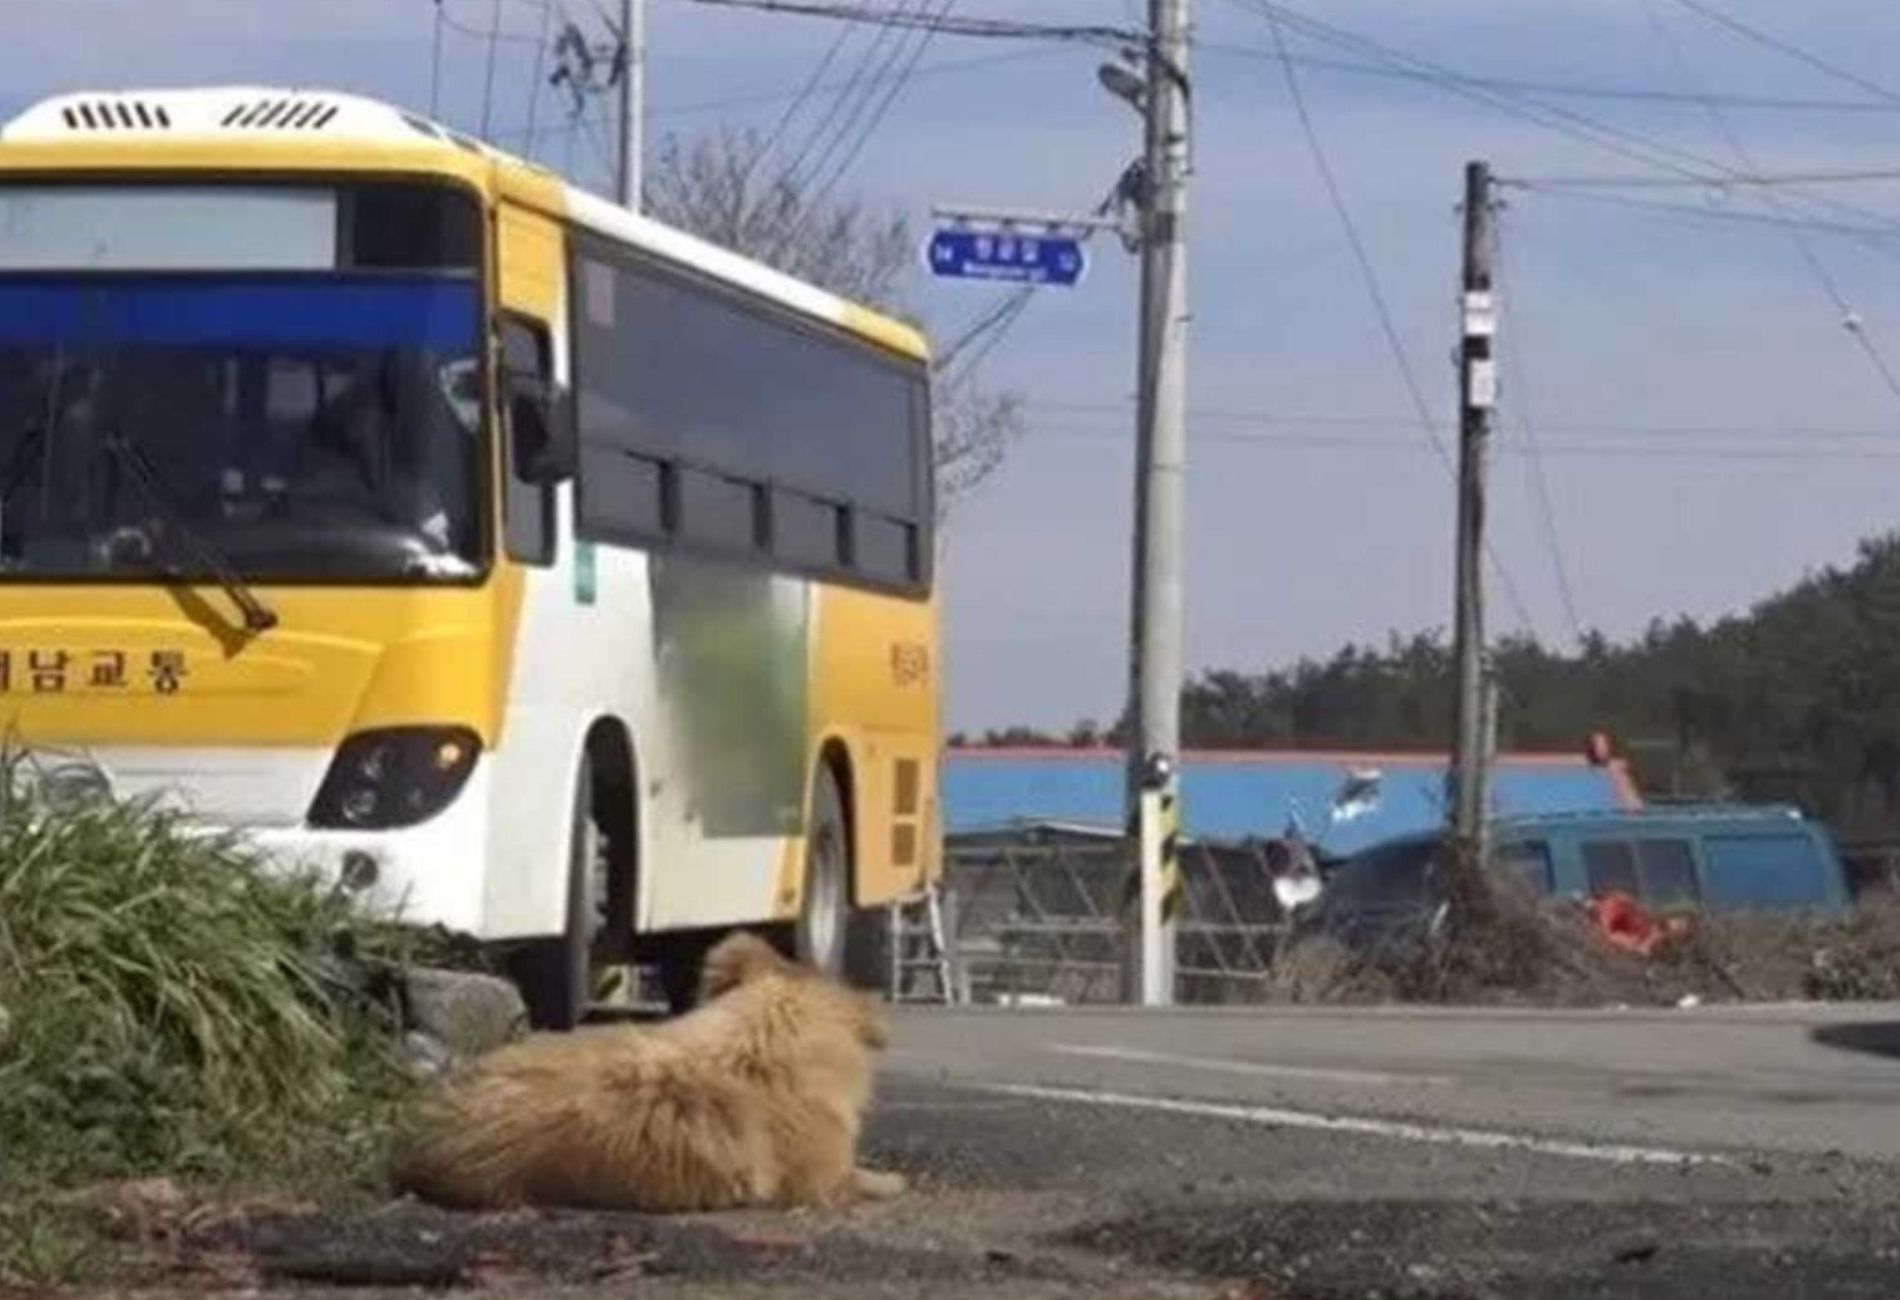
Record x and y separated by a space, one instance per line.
824 914
829 934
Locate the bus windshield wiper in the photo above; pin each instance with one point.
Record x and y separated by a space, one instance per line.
258 617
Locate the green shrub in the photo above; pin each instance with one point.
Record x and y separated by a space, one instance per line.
172 1007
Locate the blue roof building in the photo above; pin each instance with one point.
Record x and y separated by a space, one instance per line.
1251 795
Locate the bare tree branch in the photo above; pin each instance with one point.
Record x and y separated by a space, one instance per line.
723 188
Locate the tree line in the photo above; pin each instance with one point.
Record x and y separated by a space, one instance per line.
1797 699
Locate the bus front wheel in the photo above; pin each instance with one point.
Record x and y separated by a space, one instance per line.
556 975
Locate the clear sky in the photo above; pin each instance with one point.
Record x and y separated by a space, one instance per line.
1709 428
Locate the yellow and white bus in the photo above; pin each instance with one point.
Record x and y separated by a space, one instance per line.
536 568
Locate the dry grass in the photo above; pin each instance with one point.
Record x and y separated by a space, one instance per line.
1536 952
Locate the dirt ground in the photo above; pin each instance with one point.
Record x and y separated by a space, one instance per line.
1045 1200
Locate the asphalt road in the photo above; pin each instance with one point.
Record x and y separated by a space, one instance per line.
1799 1079
1275 1155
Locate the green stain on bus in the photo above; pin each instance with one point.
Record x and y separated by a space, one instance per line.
585 573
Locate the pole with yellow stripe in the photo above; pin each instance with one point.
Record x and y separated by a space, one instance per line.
1159 838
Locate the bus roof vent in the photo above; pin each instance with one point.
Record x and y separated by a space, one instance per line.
280 113
115 113
224 112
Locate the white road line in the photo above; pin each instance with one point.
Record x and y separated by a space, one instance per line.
1277 1117
1221 1065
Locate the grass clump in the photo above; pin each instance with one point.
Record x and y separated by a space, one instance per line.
170 1006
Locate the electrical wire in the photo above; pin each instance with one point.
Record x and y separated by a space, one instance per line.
1511 357
1556 89
946 359
1596 433
1849 318
1376 293
812 86
483 34
1569 449
1878 238
1563 121
435 65
536 80
1014 305
878 64
1739 180
990 28
799 96
488 85
1723 19
848 100
896 88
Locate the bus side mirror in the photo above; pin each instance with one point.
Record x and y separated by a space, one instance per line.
544 437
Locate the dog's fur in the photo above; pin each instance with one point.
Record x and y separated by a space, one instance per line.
755 1098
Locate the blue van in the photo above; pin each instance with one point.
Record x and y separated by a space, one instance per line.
1670 859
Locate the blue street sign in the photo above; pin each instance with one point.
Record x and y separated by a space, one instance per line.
1004 255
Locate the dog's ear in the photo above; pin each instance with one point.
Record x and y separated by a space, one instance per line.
735 960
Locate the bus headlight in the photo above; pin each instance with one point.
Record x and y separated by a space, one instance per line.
397 776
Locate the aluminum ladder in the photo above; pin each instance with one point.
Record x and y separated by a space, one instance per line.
923 963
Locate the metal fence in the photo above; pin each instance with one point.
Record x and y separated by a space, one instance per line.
1041 918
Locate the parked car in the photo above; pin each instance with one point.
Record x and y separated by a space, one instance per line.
1680 859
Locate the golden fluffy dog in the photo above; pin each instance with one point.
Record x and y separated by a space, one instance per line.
755 1098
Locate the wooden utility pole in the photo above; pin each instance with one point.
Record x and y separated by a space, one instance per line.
1477 399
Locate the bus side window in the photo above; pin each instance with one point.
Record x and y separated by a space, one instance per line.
528 508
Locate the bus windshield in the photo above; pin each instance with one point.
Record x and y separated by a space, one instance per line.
321 425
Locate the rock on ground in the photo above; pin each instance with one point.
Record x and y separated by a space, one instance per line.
461 1013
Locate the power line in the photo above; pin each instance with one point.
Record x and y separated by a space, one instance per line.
1563 121
1847 316
488 85
805 92
494 32
848 94
876 62
535 81
1578 449
1776 43
1879 238
989 320
797 98
1377 294
1606 432
435 65
878 115
1736 180
990 28
1556 89
991 333
1513 358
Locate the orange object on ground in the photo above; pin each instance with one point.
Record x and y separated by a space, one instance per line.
1625 924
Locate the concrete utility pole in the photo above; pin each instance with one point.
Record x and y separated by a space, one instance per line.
633 93
1159 608
1477 399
